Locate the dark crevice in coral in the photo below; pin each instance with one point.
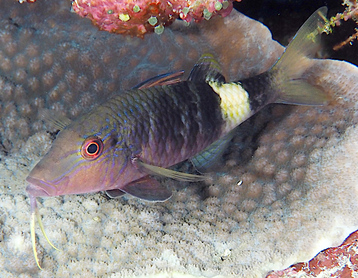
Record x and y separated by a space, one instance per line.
284 18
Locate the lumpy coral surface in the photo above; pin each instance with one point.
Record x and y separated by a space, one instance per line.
285 190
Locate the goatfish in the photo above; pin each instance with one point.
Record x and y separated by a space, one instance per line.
119 145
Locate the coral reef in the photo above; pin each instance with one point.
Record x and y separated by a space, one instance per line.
340 261
285 190
139 17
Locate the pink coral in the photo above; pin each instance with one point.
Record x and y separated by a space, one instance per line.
142 16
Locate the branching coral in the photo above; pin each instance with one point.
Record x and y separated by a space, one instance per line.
351 12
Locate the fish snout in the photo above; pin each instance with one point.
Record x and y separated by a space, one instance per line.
39 188
35 190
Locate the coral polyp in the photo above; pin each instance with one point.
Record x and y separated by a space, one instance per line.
139 17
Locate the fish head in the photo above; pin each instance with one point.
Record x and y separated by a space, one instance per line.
79 161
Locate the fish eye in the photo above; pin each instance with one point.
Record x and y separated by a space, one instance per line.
92 148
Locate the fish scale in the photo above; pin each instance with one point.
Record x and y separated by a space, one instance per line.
151 129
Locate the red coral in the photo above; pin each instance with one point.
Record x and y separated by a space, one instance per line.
139 17
341 261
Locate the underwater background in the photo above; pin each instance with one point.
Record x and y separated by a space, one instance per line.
285 189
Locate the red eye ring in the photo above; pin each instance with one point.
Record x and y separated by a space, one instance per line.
92 148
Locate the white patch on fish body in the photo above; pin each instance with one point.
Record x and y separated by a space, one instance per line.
235 104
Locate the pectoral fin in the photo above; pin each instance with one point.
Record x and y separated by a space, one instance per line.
160 171
148 189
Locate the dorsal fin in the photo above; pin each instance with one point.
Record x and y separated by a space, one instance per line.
161 80
55 119
207 69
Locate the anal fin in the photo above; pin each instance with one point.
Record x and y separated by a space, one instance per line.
209 156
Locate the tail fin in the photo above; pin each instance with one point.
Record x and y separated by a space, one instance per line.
286 74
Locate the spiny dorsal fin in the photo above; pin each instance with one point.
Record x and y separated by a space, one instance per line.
56 120
207 69
161 80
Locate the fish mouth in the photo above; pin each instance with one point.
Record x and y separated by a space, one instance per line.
39 188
